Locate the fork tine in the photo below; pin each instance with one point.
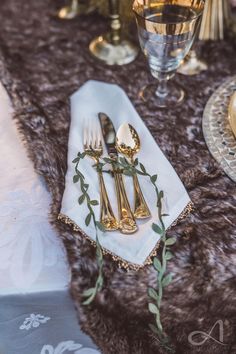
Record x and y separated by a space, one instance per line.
86 137
99 138
91 135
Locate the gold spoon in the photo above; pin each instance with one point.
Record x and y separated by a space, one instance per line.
128 144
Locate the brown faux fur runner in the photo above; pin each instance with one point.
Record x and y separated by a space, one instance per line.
44 60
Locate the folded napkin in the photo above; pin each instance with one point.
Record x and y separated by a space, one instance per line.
131 250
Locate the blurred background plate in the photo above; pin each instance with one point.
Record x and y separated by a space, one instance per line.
217 130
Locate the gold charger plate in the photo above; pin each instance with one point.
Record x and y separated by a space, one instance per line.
232 113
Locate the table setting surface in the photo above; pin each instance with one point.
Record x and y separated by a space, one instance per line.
42 63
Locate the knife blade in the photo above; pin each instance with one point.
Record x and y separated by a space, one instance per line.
109 134
127 222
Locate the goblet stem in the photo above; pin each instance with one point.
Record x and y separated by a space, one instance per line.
162 88
115 21
164 94
74 6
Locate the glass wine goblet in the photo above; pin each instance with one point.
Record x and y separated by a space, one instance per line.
166 30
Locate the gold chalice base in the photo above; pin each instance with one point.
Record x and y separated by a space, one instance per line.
192 65
113 54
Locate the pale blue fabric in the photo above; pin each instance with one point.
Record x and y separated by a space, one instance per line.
60 332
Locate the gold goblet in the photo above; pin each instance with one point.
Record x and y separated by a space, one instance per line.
112 48
192 65
76 8
166 30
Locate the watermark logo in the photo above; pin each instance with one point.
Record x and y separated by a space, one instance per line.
194 336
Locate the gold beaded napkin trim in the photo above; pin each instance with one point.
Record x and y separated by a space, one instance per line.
122 263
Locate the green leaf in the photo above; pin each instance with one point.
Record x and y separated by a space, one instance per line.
124 161
153 308
81 155
94 202
154 178
89 292
153 328
168 255
88 219
128 173
76 160
139 172
100 226
136 162
161 194
89 300
75 178
163 215
157 229
142 168
107 160
152 293
170 241
81 199
167 280
157 264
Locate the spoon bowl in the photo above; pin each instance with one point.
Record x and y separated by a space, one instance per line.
127 141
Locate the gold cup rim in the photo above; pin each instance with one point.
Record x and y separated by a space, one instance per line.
170 23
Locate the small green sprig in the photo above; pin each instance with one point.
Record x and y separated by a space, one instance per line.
90 293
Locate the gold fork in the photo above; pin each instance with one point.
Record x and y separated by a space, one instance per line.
93 147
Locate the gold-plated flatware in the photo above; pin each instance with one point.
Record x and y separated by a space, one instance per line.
93 147
127 221
232 113
128 144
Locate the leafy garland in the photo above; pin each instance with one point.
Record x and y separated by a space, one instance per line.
163 279
90 293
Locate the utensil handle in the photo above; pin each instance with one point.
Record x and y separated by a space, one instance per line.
127 220
141 210
107 217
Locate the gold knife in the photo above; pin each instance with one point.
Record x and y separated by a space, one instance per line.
127 221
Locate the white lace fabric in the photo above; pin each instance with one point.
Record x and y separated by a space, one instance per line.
32 256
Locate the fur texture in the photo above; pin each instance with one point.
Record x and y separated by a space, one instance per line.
43 61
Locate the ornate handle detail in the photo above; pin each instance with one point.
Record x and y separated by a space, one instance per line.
127 221
141 210
107 217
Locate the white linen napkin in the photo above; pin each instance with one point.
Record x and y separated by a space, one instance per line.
94 97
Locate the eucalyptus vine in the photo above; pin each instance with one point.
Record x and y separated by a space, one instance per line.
90 293
160 265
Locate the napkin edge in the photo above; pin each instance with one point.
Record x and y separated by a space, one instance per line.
122 263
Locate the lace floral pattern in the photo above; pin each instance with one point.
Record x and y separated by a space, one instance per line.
34 321
67 347
29 243
32 255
